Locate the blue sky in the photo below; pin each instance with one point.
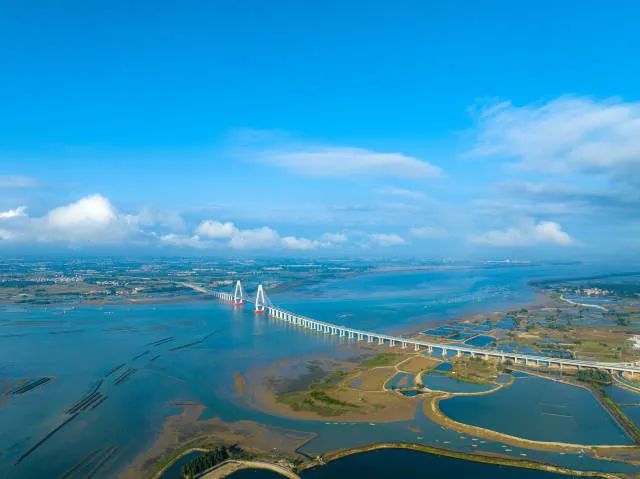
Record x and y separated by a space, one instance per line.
433 129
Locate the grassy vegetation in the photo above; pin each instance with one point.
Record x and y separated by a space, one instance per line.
323 397
382 359
594 376
316 401
474 370
210 459
621 417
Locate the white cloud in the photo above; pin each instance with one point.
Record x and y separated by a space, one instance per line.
332 161
17 181
216 230
527 234
428 232
92 219
257 238
174 239
383 239
563 135
94 210
291 242
403 193
14 213
334 238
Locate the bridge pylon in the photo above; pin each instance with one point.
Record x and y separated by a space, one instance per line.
238 294
261 302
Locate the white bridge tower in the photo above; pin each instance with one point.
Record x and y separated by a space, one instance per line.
261 302
238 294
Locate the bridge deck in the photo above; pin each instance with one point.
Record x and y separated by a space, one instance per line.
352 333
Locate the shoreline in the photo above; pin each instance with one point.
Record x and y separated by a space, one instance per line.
541 299
487 459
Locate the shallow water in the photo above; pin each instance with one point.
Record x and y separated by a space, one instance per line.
209 342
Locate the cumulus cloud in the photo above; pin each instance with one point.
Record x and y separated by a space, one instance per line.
334 238
528 233
14 213
92 219
568 134
180 240
291 242
211 232
256 238
428 232
384 239
216 230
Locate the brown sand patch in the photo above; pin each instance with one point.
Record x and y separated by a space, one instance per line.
374 379
185 431
239 384
417 364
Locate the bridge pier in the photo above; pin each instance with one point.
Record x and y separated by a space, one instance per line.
262 305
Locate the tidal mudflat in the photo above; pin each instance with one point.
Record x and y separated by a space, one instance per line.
128 371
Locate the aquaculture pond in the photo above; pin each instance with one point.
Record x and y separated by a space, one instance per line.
118 372
255 474
400 380
442 382
539 409
383 464
629 401
482 341
174 471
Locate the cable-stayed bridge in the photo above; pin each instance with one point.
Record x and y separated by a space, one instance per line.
263 304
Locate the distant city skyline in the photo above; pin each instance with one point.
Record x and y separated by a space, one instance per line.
423 129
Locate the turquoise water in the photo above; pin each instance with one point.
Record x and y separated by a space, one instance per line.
190 352
541 410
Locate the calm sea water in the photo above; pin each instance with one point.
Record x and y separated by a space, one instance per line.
383 464
190 351
541 410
